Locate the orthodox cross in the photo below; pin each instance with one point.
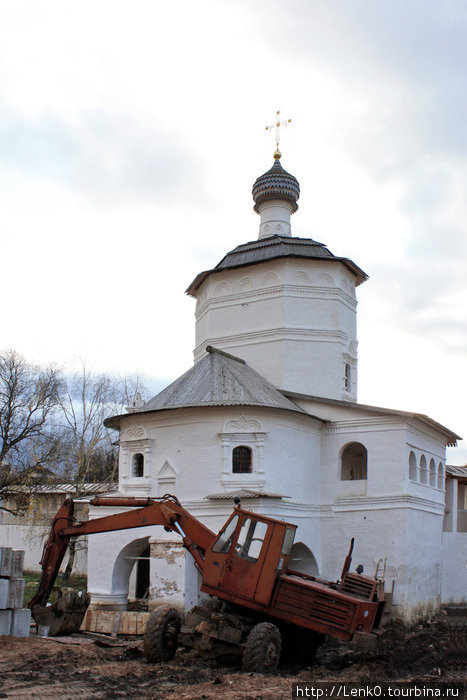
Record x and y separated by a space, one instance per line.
277 126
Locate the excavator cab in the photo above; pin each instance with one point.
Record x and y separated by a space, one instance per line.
247 556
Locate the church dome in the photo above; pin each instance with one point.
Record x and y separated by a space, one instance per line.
276 183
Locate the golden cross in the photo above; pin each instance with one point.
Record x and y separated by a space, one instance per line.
277 126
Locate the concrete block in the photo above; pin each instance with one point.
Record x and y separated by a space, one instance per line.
4 591
16 594
5 623
5 561
17 563
20 622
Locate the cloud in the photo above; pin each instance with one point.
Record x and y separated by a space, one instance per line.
102 156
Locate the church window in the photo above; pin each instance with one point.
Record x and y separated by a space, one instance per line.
241 460
432 472
440 476
138 464
413 471
423 470
347 377
354 462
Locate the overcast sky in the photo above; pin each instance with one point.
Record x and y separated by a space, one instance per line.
130 137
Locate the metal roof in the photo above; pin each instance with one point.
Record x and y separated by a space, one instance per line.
272 248
243 494
451 437
457 472
63 488
218 379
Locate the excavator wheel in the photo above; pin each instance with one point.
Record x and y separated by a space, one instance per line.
262 648
161 635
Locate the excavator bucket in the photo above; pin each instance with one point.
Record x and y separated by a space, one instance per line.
63 617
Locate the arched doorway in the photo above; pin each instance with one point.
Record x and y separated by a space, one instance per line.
134 552
302 559
142 574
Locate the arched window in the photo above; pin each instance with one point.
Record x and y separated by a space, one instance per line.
413 476
137 463
423 470
440 476
241 460
354 462
432 472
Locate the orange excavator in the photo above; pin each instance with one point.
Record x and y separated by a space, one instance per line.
258 608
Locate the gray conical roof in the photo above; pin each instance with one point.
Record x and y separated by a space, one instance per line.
220 379
276 183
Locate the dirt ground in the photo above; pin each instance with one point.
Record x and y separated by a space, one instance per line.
44 668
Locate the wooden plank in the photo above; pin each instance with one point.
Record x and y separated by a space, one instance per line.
115 622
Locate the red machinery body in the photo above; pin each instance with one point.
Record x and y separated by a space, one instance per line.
246 564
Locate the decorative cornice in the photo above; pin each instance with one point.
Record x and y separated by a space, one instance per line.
413 424
274 334
366 425
283 509
359 503
428 455
245 297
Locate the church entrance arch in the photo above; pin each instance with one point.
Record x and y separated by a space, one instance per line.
124 564
303 560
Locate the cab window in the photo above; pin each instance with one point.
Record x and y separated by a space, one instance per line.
288 541
224 541
250 539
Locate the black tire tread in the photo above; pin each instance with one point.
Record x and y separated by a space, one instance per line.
155 647
256 645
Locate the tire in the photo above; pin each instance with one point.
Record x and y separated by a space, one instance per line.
262 649
161 635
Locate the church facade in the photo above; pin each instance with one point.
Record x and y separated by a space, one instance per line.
269 412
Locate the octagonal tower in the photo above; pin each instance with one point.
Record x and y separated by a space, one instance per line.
286 305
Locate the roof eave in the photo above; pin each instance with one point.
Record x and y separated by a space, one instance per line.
452 438
360 275
114 421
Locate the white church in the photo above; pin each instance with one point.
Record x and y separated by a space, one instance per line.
269 412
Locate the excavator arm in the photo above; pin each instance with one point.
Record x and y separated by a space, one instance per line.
165 511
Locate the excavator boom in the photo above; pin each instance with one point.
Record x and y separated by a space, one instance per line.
165 511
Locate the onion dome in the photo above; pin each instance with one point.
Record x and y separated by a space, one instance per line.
276 184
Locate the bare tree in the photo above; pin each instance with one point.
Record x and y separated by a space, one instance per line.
28 397
89 448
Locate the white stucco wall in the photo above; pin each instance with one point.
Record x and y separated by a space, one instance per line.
31 540
454 575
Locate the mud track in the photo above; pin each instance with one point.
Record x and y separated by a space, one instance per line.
43 668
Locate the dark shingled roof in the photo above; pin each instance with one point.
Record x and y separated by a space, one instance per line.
277 183
272 248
